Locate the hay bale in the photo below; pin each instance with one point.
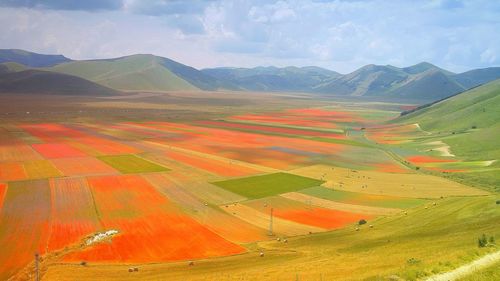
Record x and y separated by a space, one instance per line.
371 225
136 269
357 228
191 263
261 254
130 270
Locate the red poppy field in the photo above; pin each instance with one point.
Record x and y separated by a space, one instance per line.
63 184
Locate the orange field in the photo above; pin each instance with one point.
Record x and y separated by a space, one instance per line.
3 190
12 172
57 150
417 159
320 217
305 214
390 168
227 226
213 166
286 119
150 227
73 212
274 130
14 152
24 230
57 133
82 166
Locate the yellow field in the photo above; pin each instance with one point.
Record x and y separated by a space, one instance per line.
393 184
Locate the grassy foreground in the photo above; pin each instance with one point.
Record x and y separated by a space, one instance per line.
428 240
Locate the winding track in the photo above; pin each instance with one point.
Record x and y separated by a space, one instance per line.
467 269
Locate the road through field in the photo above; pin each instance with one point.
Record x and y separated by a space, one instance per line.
467 269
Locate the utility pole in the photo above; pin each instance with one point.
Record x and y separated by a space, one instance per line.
37 276
271 224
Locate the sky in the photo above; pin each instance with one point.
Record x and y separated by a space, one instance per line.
338 35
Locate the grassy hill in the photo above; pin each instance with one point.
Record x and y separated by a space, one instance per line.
44 82
470 123
139 73
30 59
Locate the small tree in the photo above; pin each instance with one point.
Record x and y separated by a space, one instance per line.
362 221
492 240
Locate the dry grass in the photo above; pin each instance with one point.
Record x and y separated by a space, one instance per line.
403 185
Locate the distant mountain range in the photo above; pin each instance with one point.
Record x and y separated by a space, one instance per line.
422 82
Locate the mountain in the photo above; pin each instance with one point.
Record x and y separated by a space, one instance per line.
477 77
30 59
291 79
140 73
44 82
424 66
429 85
367 81
423 82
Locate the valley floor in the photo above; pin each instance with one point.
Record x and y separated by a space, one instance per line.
273 187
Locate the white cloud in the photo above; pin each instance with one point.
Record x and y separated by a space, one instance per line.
341 35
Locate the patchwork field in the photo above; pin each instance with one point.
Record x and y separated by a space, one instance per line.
286 192
267 185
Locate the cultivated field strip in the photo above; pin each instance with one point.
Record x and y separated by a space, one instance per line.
339 206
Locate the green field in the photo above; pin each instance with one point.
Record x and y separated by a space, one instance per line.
131 164
363 199
267 185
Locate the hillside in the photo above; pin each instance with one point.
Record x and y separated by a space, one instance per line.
470 124
30 59
423 82
477 107
294 79
477 77
140 73
44 82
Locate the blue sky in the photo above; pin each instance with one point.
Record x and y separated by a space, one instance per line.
339 35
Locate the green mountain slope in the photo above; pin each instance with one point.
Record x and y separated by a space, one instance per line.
293 79
44 82
478 107
142 73
470 124
30 59
133 73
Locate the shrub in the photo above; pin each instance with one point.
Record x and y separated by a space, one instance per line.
482 241
362 221
498 202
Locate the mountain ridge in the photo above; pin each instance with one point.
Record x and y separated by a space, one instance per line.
146 72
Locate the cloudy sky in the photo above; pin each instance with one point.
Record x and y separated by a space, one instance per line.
339 35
